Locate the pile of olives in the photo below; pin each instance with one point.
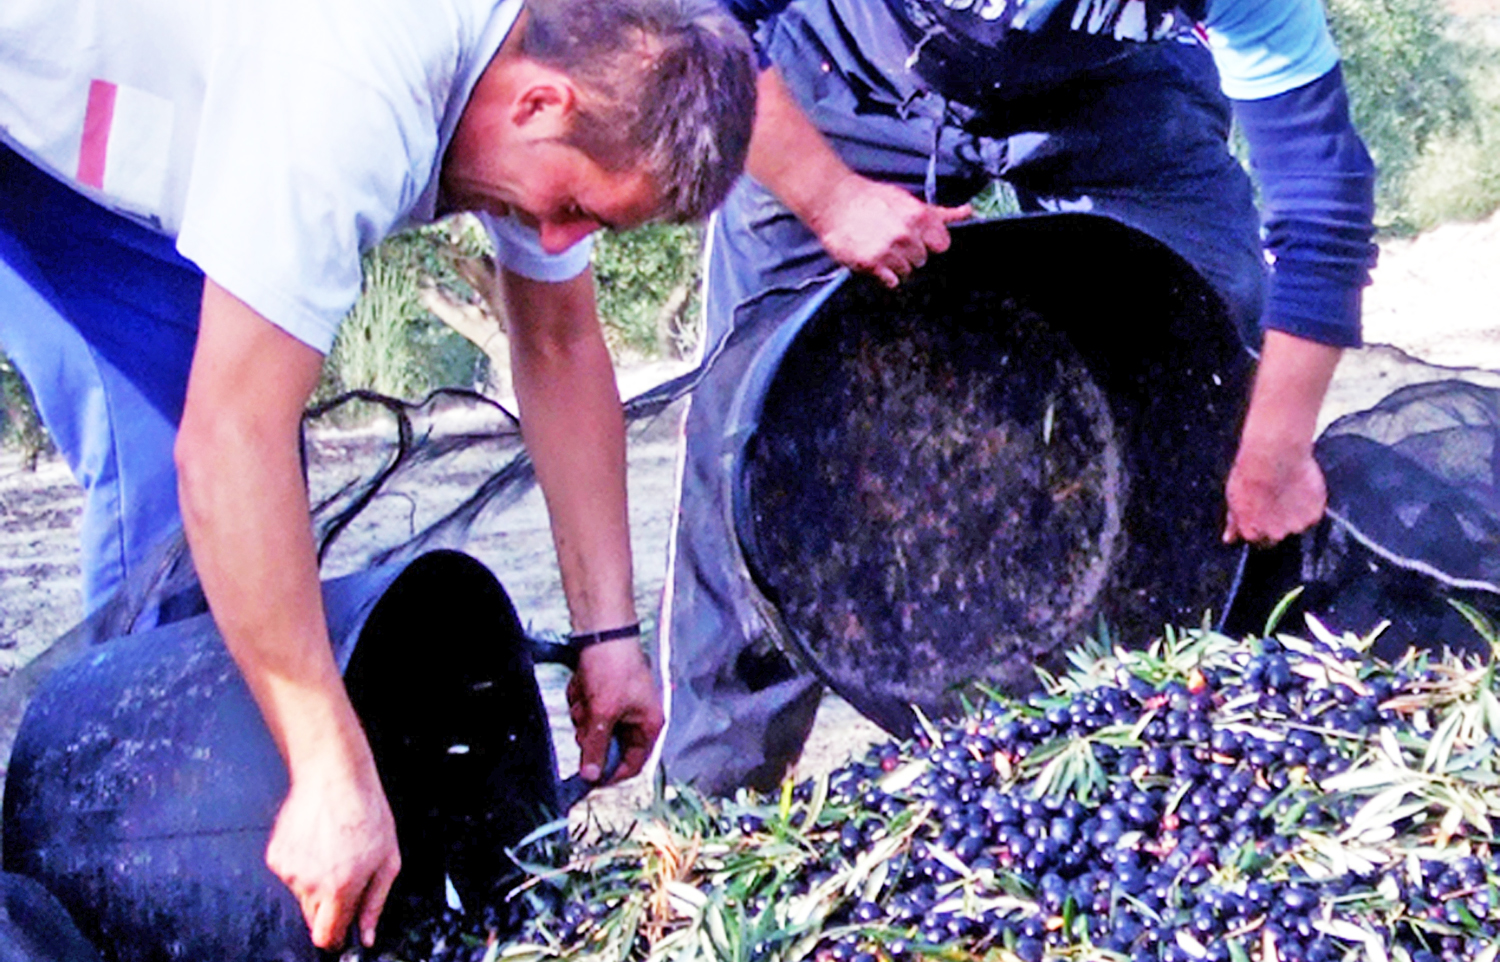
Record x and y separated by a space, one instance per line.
1221 802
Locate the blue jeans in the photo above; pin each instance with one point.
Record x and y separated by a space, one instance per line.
100 315
1142 140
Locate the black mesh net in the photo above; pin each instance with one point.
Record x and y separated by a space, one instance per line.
417 477
1415 478
1413 524
412 477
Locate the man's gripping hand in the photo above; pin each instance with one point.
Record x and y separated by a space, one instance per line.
614 691
880 229
1276 488
866 225
1273 494
334 845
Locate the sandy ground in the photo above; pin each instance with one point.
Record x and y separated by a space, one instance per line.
1434 297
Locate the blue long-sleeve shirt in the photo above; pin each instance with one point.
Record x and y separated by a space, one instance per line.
1279 66
1317 186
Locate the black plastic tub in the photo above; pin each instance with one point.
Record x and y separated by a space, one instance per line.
952 483
143 783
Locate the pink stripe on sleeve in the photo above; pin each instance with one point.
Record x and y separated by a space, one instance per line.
96 123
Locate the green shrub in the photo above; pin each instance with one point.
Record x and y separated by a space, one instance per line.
647 282
20 427
1458 175
389 342
1414 93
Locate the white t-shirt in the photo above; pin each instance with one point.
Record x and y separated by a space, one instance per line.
275 139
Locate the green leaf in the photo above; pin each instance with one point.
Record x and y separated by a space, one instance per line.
1479 623
554 827
1190 945
1470 764
1279 612
1440 746
1071 771
1349 932
900 779
718 932
818 800
933 735
1391 747
1491 706
1382 811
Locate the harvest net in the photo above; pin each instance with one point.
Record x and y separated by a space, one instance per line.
1413 521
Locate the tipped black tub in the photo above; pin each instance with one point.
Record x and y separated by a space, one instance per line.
143 784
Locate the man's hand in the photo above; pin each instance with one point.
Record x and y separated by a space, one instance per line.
1275 488
334 845
614 691
1273 494
880 229
864 224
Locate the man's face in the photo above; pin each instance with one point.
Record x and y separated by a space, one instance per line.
554 188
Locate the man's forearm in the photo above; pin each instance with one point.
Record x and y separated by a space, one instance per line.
866 225
1290 382
244 508
1275 487
574 428
245 514
788 154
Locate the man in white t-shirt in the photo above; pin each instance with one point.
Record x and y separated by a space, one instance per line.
185 192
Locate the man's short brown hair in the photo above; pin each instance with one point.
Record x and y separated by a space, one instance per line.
667 87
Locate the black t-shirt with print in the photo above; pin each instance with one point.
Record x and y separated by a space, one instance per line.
977 50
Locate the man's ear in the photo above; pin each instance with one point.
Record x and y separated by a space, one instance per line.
544 103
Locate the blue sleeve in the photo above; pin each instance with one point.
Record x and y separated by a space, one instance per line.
1268 47
1317 186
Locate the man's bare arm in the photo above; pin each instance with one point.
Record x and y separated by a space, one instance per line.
245 511
1275 488
574 429
865 225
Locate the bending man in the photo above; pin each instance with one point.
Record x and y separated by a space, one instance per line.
185 192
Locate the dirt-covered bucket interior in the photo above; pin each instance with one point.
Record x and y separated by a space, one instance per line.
952 483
